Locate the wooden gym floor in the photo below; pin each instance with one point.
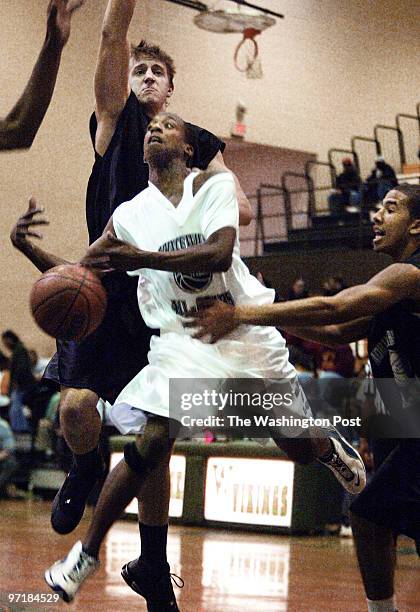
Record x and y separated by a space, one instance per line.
223 571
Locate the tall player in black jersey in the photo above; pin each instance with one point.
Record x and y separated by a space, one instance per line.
131 86
20 126
386 310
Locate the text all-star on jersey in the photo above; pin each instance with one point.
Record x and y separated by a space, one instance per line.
394 352
107 359
151 222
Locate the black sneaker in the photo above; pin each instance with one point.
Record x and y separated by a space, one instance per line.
70 502
156 589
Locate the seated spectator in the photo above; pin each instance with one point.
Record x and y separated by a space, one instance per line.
333 285
22 380
38 364
45 440
347 190
381 180
8 462
4 383
298 290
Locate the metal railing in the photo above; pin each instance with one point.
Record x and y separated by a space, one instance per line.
399 138
311 189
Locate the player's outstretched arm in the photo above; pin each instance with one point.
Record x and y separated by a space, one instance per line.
217 164
111 76
19 128
395 283
25 228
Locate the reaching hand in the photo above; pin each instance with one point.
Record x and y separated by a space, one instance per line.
109 253
216 321
24 227
59 18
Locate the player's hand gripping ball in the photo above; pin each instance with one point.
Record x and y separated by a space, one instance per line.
68 302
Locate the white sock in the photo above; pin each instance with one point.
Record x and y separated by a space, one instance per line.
382 605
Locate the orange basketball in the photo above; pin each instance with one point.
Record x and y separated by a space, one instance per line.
68 302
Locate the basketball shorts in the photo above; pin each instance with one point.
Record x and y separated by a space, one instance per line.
258 353
392 497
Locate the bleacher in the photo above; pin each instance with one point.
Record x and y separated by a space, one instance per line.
302 214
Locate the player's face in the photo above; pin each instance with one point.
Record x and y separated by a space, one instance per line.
149 81
391 223
165 135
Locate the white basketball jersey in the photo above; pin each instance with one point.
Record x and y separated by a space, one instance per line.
152 223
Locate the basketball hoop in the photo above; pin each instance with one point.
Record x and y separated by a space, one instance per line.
248 22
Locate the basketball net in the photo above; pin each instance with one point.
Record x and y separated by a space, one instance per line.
246 55
243 21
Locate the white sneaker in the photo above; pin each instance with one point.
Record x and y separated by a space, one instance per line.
66 577
346 531
346 464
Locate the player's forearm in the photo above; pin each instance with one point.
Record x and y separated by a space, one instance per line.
117 19
20 127
201 258
361 301
308 312
41 259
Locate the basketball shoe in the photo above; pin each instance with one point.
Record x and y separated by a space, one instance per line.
70 502
156 588
66 577
345 463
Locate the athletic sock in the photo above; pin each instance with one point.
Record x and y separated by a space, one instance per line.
87 461
382 605
153 544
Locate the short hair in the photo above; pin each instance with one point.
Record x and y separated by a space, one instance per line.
10 335
144 49
189 138
413 194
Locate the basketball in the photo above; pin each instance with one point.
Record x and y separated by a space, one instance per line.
68 302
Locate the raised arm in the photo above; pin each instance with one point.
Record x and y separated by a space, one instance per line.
112 69
19 128
217 164
27 227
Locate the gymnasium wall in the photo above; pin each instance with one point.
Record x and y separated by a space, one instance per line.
331 69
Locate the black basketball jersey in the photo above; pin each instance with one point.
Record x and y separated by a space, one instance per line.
394 353
121 173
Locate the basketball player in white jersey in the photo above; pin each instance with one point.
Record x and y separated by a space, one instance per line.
180 237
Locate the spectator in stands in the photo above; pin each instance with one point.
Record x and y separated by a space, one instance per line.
333 285
381 180
38 364
8 462
298 290
45 441
4 382
347 190
22 380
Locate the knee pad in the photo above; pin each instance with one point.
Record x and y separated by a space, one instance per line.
134 460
